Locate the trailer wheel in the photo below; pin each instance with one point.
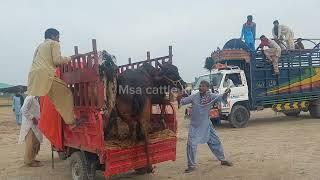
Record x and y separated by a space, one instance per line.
292 113
79 168
239 116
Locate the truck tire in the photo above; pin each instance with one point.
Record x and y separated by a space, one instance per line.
314 112
314 109
239 116
292 113
79 168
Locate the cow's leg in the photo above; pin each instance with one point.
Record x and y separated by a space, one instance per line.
162 115
114 123
132 124
145 125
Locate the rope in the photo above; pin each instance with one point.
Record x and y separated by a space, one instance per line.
174 82
207 103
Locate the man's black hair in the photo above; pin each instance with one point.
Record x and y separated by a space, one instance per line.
263 36
206 83
51 32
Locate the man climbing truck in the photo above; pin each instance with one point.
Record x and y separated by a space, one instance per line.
296 89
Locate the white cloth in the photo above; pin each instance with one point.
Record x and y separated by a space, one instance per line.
30 110
274 45
284 32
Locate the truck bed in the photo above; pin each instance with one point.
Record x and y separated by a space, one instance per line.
299 78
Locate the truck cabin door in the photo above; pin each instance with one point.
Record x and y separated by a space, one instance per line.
238 85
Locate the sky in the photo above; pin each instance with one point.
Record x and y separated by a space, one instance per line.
131 28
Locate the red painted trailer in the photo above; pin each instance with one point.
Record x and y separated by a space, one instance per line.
85 145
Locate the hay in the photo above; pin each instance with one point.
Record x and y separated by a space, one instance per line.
127 143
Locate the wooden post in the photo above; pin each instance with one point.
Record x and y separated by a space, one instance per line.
94 45
129 60
170 54
148 55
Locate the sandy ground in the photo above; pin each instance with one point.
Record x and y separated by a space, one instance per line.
271 148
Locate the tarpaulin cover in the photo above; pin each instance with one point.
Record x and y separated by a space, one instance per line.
50 121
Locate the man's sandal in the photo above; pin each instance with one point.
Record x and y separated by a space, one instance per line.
189 170
226 163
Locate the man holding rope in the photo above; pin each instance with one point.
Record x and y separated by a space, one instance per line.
201 129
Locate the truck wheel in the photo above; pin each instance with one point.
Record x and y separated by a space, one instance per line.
314 111
239 116
79 169
292 113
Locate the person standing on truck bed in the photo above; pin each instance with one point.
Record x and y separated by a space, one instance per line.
201 129
283 33
42 80
248 32
273 53
299 44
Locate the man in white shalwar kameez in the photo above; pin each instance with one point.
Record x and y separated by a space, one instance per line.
29 132
283 33
201 129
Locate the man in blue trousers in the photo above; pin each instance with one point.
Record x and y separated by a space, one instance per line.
201 129
248 33
17 102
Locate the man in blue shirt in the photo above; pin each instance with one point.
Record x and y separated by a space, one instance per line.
248 32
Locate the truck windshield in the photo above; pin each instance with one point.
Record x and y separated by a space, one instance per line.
215 80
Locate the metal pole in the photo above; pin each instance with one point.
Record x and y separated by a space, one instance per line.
52 159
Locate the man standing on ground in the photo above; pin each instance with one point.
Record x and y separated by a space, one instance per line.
248 32
17 103
29 132
273 53
283 33
42 80
201 129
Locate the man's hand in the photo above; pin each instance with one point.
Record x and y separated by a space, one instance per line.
182 94
281 38
35 121
226 93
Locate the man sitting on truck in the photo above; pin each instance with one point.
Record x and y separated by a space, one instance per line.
42 80
273 52
299 44
201 129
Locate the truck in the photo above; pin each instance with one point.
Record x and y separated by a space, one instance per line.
86 146
254 87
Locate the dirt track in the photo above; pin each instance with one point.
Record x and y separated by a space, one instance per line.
271 148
